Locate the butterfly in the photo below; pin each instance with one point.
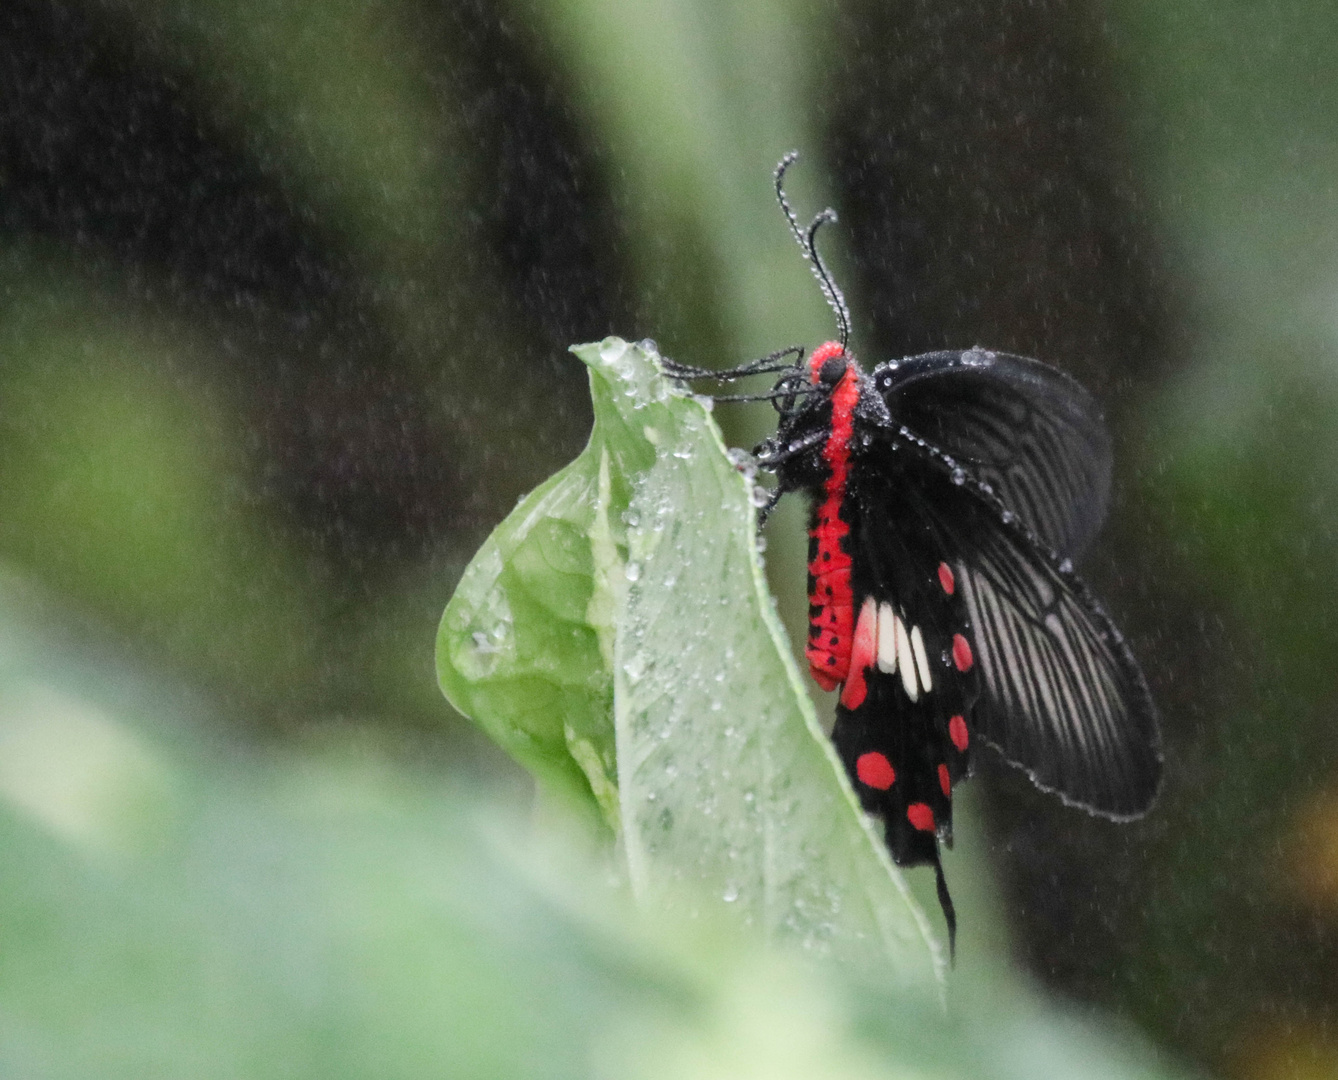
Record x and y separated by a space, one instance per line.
950 494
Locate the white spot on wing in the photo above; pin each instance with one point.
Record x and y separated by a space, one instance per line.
906 661
887 639
921 660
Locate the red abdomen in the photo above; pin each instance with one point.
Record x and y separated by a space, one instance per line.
831 613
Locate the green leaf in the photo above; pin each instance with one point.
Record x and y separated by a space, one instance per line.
519 645
623 606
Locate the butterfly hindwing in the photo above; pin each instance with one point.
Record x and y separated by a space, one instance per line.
901 725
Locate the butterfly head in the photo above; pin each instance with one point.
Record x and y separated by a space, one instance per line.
829 364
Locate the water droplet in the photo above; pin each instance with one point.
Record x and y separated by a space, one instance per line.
1066 567
1007 517
959 476
731 893
612 350
632 517
633 571
635 667
759 496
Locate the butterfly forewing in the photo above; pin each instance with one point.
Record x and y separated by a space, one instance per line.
1026 430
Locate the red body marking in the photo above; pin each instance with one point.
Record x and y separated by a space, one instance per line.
958 734
945 781
831 604
921 816
875 771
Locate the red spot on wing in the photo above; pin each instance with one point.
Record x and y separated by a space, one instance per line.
961 653
875 771
863 653
957 733
864 647
944 780
855 690
946 579
920 816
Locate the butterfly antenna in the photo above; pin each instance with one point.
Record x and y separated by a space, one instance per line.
807 240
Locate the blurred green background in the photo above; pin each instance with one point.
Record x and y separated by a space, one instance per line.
285 295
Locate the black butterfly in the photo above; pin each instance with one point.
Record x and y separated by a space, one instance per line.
950 493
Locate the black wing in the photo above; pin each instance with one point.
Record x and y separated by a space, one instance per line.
1060 694
1027 430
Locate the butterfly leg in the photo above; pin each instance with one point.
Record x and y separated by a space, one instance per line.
764 511
769 455
776 361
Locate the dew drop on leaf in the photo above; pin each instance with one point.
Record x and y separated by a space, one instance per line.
635 667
